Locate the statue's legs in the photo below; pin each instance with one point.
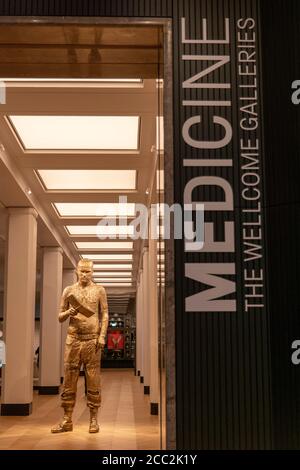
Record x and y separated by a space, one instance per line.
68 397
91 359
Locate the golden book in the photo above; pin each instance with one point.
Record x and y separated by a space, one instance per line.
78 306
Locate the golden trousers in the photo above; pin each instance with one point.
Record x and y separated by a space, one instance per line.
80 351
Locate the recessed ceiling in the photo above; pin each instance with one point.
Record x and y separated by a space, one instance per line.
112 266
106 257
159 133
77 132
88 179
81 50
94 209
160 180
93 230
115 284
77 190
110 279
112 273
104 245
161 231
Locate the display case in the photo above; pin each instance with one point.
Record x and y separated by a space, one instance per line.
119 350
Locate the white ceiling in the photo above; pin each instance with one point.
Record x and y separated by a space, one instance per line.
81 169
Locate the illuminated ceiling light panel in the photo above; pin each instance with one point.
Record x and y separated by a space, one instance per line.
93 230
160 133
160 230
107 257
160 180
112 266
120 281
117 284
111 279
104 245
160 209
88 179
112 273
94 209
77 132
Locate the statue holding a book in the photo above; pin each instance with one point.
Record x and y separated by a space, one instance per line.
85 305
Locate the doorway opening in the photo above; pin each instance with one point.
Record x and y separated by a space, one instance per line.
86 129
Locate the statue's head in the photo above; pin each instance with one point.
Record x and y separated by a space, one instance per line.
84 271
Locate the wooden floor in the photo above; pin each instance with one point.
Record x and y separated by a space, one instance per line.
125 420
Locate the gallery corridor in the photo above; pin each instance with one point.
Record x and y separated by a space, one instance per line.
125 422
82 237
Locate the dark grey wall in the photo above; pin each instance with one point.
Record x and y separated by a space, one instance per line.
223 393
281 66
140 8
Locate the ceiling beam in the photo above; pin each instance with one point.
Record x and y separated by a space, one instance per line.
79 34
76 102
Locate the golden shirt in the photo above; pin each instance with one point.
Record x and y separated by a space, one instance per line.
94 298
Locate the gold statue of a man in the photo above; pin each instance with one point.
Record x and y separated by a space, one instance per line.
85 303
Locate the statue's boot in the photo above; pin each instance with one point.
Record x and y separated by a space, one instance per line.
94 426
66 424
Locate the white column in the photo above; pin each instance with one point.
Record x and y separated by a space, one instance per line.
141 327
137 363
50 332
19 312
146 322
138 328
153 333
69 278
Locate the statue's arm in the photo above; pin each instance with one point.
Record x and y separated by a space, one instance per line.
64 312
104 316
